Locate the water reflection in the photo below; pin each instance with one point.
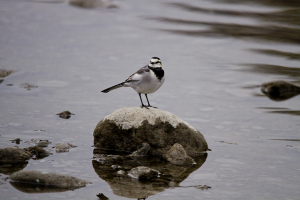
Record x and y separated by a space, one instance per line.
34 188
273 69
290 3
288 55
281 111
287 16
271 33
275 33
10 168
125 186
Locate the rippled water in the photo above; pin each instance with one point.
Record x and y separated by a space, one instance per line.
215 54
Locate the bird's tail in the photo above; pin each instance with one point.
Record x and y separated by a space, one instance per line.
113 87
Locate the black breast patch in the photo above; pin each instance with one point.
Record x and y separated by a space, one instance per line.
159 72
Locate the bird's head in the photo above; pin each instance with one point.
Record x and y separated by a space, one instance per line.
155 62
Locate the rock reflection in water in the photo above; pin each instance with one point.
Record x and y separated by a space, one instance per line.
9 168
31 188
288 55
278 29
291 72
125 186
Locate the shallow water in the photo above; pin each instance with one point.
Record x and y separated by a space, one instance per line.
215 55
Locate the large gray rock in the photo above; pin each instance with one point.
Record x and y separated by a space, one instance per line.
47 179
127 129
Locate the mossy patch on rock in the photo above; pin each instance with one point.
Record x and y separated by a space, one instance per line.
128 128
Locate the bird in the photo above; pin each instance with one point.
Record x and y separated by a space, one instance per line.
146 80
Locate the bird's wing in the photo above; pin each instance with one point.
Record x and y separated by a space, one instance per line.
138 75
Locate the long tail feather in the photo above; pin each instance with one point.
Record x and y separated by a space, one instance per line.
113 87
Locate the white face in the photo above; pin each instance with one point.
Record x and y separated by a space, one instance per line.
155 62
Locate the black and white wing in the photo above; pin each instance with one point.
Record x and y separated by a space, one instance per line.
138 75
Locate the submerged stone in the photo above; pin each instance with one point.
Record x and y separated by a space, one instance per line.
142 151
48 179
43 143
143 173
127 129
177 155
63 147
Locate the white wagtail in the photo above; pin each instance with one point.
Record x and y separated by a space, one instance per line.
146 80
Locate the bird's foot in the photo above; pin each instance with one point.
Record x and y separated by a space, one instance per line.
143 106
152 106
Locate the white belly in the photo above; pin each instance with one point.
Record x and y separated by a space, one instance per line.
147 86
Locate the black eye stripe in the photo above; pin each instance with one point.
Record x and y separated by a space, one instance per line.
155 62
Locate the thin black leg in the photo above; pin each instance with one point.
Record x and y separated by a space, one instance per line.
148 102
143 106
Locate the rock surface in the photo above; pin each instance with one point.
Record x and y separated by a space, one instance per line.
4 73
14 155
177 155
127 129
39 152
47 179
280 90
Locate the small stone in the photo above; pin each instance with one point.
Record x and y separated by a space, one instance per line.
102 196
28 86
63 147
121 173
43 143
65 114
115 166
4 73
107 158
177 155
143 173
17 141
37 151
